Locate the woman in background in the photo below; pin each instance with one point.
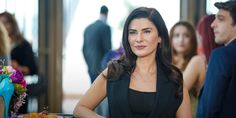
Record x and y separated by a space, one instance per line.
206 36
22 56
184 42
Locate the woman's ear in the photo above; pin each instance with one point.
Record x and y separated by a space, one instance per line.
159 39
159 42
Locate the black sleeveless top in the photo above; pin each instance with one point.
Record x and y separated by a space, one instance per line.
141 103
166 102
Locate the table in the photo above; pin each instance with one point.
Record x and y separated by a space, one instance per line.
60 115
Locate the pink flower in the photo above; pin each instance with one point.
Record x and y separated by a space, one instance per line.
10 69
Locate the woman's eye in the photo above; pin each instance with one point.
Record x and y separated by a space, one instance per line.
176 35
221 19
186 35
147 31
132 32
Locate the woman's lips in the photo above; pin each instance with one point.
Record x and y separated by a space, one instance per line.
140 47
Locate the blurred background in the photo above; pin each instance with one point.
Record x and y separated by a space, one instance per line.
55 29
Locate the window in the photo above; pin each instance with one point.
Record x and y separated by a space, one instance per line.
210 8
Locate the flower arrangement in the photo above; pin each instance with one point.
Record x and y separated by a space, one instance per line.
17 79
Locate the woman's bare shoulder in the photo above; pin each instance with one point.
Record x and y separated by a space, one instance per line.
197 59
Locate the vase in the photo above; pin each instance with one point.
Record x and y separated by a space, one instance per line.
6 91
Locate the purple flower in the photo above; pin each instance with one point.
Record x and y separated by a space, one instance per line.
16 77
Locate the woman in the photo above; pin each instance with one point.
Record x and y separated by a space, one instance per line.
4 46
143 83
184 42
22 56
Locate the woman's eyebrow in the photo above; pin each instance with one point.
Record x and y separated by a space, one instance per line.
142 29
147 28
132 30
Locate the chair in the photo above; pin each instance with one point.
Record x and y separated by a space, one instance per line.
6 91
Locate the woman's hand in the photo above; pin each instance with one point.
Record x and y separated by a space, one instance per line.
184 110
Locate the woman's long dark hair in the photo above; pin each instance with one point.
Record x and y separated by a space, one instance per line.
163 56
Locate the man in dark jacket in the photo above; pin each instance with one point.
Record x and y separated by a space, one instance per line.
97 42
218 98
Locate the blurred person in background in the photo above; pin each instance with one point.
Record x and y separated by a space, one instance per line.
184 42
22 56
218 98
112 55
206 36
97 42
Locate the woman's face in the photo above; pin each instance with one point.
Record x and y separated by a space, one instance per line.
6 23
181 39
143 37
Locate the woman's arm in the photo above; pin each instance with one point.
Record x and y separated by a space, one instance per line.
194 73
92 98
184 110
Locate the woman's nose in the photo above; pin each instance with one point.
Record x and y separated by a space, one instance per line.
181 39
139 38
